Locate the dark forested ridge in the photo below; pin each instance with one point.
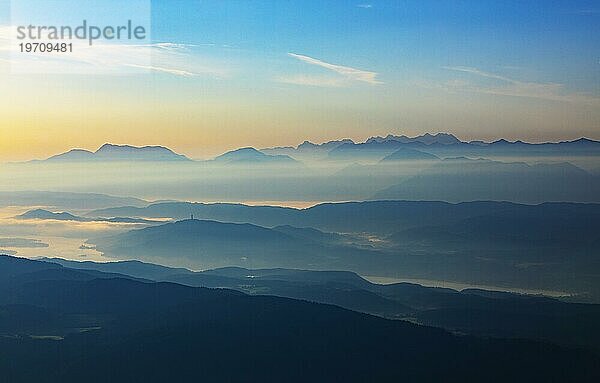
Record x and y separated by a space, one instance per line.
471 311
99 328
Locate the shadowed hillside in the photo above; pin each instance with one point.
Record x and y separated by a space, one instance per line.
163 331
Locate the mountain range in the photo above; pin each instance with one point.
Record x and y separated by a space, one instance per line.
439 144
377 149
377 217
550 246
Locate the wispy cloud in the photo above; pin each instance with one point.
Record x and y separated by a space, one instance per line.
478 72
166 57
176 72
348 73
365 6
506 86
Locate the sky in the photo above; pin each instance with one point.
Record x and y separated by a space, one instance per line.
219 75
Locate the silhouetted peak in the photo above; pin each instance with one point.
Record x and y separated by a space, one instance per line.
427 139
584 140
112 152
250 154
108 147
307 144
407 154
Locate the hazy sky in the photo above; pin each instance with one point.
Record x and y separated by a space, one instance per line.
227 74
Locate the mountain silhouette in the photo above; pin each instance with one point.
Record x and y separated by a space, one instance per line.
465 179
427 139
442 145
45 214
447 146
251 155
111 152
64 216
406 154
307 148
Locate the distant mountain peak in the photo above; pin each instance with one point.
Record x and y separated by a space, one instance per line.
427 139
45 214
407 154
114 152
584 140
130 148
252 155
73 155
111 145
80 151
108 145
307 144
247 149
325 145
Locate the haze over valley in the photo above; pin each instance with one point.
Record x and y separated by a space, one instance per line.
300 191
393 167
421 215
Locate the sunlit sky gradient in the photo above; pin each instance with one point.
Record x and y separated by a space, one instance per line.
279 72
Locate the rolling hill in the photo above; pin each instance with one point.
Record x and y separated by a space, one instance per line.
205 244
